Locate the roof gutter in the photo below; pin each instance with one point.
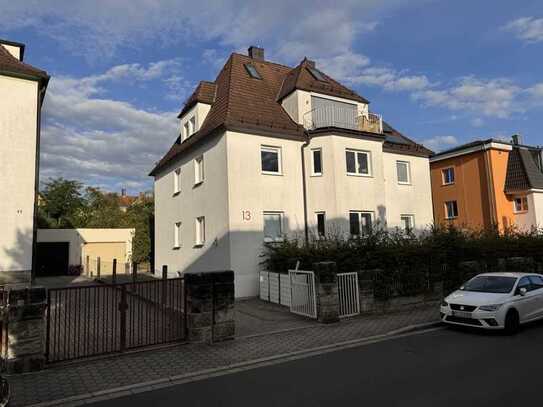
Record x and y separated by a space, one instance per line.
304 187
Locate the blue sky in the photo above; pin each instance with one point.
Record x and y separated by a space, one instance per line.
442 72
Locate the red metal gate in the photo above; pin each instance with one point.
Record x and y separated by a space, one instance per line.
94 320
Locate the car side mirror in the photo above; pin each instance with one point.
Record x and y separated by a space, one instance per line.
522 291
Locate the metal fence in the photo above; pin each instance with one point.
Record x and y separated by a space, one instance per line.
275 287
303 298
349 294
94 320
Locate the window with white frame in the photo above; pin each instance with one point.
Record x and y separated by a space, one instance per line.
199 170
408 222
451 209
177 235
521 204
187 130
273 226
200 231
358 162
192 125
360 222
177 181
270 158
321 224
403 171
316 158
448 176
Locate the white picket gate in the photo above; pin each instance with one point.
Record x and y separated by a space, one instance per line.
349 300
303 298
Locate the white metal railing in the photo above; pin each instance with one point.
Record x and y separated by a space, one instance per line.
303 298
349 296
332 116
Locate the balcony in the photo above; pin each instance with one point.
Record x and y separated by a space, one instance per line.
344 118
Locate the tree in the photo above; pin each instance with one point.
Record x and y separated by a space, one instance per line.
139 216
62 203
101 210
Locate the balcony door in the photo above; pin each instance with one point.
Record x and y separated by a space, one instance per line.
331 113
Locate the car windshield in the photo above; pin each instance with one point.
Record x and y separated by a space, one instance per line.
490 284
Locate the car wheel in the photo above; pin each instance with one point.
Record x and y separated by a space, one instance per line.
512 322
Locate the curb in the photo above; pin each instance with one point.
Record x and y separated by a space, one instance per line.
108 394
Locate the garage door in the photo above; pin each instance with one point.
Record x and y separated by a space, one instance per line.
52 258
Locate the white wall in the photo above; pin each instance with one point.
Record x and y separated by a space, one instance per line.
199 111
251 193
208 199
534 216
13 50
18 117
79 237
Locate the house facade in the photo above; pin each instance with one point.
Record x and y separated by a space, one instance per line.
267 151
22 88
489 183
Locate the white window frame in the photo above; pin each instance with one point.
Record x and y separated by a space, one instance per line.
192 125
408 165
200 231
177 181
524 206
199 174
177 235
186 128
356 153
447 215
280 238
360 213
319 236
411 221
443 181
313 172
271 149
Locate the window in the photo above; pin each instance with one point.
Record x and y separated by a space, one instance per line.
524 283
451 209
199 170
316 155
321 224
408 222
192 124
521 204
273 226
358 162
177 235
316 74
537 282
448 176
200 235
177 181
360 223
187 130
251 70
271 160
403 170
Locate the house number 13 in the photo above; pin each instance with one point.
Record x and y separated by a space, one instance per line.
246 215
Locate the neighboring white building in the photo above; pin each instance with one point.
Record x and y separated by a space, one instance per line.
22 89
234 178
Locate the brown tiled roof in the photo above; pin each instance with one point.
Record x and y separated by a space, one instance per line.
204 93
523 172
11 65
301 78
396 142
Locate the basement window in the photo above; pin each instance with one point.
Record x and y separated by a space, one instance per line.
251 70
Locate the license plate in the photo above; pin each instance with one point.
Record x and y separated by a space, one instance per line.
462 314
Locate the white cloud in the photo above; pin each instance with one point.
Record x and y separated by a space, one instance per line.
440 143
528 29
391 79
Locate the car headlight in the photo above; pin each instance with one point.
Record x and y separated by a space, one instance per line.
444 303
494 307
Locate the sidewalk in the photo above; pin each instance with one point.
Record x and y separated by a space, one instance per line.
61 382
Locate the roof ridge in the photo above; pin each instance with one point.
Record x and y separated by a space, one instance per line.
266 61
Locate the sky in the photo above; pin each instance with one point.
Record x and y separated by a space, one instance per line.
442 72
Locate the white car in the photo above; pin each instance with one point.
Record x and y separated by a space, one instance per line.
496 301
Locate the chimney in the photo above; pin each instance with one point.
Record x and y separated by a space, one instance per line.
16 49
310 63
516 139
256 53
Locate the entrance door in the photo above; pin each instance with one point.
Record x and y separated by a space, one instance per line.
52 258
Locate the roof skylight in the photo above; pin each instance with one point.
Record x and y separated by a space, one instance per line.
316 74
252 71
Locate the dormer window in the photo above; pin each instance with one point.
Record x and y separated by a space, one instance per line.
190 127
316 74
251 70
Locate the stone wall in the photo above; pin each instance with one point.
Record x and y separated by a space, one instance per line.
24 324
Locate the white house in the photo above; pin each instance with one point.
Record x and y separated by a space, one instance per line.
22 89
267 151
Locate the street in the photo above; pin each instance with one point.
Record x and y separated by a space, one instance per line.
441 368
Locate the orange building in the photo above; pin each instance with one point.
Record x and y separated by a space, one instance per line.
487 183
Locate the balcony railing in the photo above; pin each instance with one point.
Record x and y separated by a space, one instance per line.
332 116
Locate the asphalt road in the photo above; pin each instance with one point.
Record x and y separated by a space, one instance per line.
447 367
